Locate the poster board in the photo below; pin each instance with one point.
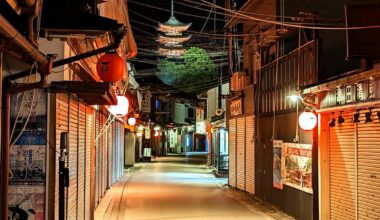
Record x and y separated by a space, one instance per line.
27 180
278 164
298 166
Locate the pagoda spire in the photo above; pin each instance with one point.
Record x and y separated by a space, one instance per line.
172 8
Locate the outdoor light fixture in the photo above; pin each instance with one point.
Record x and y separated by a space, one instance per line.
131 121
356 117
307 121
294 98
121 108
368 116
332 121
340 118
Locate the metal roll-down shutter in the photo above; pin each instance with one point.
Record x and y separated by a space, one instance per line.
240 151
73 159
249 155
232 152
368 179
342 154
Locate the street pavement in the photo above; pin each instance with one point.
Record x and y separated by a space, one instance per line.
179 187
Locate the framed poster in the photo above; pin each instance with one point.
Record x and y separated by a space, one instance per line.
278 164
298 161
27 176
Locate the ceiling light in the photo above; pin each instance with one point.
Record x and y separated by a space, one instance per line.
368 116
356 117
340 118
332 121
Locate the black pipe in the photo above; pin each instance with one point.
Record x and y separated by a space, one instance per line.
117 35
63 176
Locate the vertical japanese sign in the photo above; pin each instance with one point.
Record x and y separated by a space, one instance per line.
298 161
26 196
278 164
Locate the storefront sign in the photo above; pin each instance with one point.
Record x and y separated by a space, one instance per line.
146 96
278 164
236 107
298 161
147 133
199 114
200 127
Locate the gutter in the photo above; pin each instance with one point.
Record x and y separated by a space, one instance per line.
9 32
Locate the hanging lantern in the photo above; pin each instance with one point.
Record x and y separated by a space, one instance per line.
121 109
131 121
156 133
110 67
307 121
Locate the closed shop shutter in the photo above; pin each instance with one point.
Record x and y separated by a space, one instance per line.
240 150
232 151
121 155
109 153
97 157
104 157
81 160
250 155
88 151
73 159
368 167
342 169
62 125
101 154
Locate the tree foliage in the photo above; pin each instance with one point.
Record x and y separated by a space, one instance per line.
196 68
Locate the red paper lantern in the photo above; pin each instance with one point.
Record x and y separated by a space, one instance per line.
110 67
307 121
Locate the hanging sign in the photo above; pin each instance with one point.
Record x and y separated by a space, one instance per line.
236 107
147 133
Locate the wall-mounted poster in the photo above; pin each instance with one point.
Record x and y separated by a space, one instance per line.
298 172
278 164
27 202
27 176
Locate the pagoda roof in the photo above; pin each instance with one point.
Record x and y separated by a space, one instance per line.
169 39
173 25
171 51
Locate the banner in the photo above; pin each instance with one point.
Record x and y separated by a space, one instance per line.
27 175
278 164
298 161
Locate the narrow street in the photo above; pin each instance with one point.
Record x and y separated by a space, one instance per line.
178 187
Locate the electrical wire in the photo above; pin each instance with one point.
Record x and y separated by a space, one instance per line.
22 101
29 114
287 24
163 9
257 14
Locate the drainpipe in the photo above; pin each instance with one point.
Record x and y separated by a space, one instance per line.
8 31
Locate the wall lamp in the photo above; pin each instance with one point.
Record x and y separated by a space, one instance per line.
340 118
356 117
368 116
332 121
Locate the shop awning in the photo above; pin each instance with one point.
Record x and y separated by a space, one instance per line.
92 93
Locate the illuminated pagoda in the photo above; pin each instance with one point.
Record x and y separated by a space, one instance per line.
171 40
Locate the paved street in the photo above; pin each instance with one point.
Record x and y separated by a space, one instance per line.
178 187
